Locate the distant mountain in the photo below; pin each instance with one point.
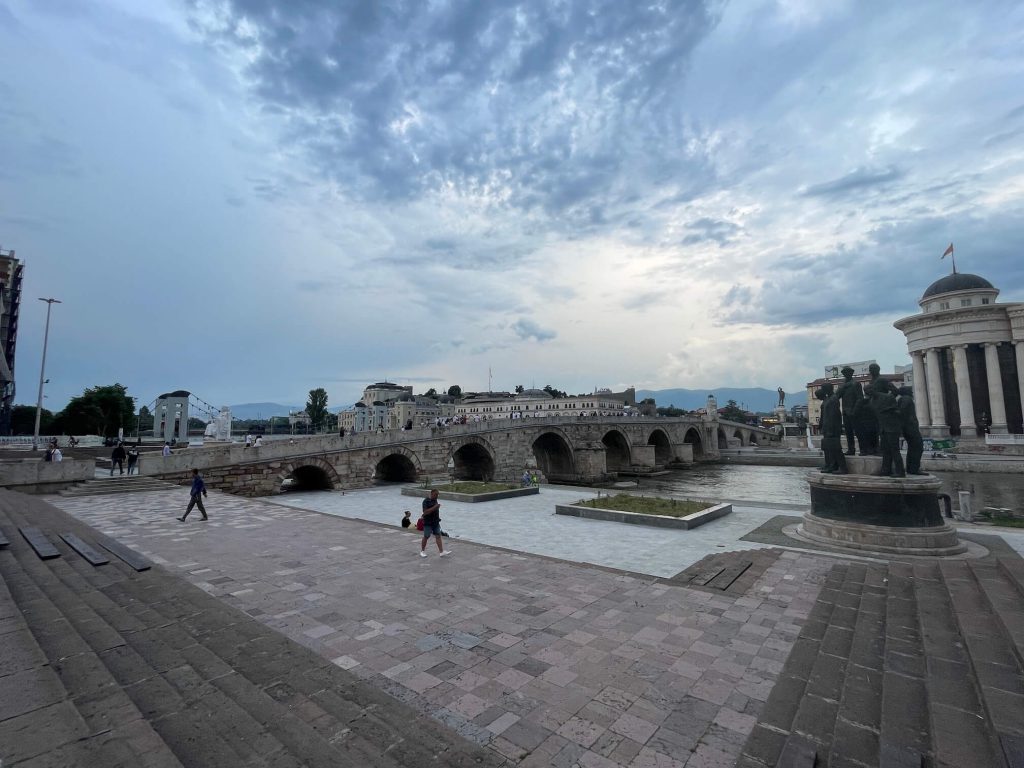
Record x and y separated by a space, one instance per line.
756 399
262 410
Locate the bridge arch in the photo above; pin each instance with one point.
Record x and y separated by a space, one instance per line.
662 447
400 465
474 460
616 449
692 437
738 434
309 474
723 440
752 438
554 455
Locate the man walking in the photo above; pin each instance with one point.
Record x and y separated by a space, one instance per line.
133 459
198 491
117 458
431 524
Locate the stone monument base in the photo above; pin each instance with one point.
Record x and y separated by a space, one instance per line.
872 513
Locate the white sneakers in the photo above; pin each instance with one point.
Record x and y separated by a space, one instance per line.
422 553
446 553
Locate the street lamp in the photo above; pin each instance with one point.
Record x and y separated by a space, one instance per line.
42 371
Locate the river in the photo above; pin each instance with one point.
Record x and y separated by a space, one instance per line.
786 485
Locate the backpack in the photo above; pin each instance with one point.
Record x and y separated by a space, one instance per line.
419 524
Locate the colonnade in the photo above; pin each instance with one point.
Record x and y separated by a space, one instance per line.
928 392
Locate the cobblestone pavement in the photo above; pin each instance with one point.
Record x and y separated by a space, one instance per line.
550 663
528 524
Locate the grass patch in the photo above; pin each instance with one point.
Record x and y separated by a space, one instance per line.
1006 522
646 505
474 486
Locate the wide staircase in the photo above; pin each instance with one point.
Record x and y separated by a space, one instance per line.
112 666
117 484
900 666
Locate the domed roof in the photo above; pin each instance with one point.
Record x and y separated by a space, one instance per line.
535 393
957 282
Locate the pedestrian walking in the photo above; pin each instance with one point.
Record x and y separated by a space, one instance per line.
57 455
432 524
133 459
167 449
196 499
117 459
258 441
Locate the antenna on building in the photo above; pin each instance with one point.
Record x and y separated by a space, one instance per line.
489 388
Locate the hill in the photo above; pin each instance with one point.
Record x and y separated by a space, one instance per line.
757 399
261 410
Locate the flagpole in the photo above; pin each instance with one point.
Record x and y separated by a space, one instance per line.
952 256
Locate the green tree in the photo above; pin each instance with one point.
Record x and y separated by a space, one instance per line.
519 389
23 420
101 410
732 412
455 390
554 392
430 393
316 407
671 411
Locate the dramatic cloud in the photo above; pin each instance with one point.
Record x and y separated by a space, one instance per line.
252 198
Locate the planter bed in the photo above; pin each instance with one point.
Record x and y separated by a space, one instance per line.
472 498
684 522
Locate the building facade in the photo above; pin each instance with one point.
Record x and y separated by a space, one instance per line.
968 359
11 271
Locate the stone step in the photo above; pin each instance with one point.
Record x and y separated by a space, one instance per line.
905 728
294 731
769 737
114 485
1005 600
995 663
121 736
265 662
179 722
959 732
858 720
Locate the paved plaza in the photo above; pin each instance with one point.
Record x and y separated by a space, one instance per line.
545 661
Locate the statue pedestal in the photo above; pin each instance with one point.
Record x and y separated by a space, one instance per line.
871 513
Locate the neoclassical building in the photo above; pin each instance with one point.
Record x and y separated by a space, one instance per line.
968 356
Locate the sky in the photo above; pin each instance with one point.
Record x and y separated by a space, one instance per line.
249 199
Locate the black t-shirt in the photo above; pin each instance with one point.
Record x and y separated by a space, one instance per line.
405 522
431 518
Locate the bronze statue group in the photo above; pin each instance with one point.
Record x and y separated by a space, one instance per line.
877 415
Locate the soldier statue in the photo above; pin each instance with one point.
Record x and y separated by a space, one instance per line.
850 394
884 404
782 397
911 430
831 431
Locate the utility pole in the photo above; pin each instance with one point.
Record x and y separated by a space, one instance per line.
42 371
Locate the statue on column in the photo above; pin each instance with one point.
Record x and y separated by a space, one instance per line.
911 430
884 404
782 397
849 393
831 431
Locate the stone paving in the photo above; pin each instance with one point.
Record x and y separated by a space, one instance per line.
549 663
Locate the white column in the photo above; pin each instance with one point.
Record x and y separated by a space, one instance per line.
920 390
935 404
997 403
968 428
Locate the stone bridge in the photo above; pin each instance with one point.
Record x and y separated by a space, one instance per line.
565 450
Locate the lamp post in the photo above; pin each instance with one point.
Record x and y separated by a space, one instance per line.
42 371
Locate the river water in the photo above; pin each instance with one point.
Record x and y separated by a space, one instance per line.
786 485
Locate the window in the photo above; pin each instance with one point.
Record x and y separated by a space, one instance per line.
984 301
965 302
943 305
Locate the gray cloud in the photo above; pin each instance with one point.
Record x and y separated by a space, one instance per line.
527 329
707 229
550 107
854 181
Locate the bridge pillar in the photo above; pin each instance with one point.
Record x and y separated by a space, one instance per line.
589 459
683 452
642 455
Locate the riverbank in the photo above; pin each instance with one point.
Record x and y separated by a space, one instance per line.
952 462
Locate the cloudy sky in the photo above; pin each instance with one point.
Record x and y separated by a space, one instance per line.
251 198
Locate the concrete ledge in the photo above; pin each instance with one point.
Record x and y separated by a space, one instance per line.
686 522
472 498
